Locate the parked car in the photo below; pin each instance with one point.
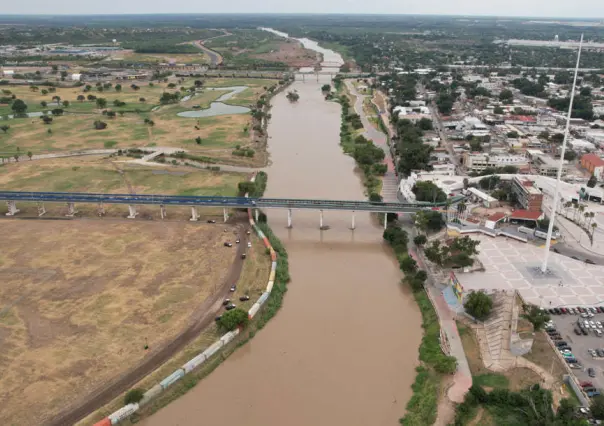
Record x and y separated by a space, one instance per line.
211 221
571 360
244 298
230 306
562 343
584 331
577 331
249 244
218 318
237 241
226 302
228 244
585 383
233 288
591 372
591 262
243 255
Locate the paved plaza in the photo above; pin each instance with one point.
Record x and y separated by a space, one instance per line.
513 265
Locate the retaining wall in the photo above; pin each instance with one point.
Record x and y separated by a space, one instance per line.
127 410
494 233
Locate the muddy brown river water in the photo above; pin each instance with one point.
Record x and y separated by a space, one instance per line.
343 348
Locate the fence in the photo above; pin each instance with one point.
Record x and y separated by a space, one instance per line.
127 410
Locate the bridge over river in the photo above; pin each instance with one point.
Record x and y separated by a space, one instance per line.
132 200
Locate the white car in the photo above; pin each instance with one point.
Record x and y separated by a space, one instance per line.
593 324
584 315
587 327
249 244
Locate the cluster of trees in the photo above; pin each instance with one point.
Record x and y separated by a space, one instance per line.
99 125
445 100
582 106
429 221
457 254
529 88
413 154
293 96
530 406
479 305
428 191
169 98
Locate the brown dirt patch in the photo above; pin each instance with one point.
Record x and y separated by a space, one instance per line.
81 298
291 53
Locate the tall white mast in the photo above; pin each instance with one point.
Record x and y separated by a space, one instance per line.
548 242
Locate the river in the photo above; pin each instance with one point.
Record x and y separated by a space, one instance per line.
343 348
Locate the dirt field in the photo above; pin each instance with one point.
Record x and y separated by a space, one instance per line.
78 302
291 53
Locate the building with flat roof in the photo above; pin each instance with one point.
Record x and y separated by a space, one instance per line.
547 166
593 164
485 199
477 161
527 195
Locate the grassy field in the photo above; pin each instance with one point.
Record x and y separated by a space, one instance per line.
78 302
220 135
253 283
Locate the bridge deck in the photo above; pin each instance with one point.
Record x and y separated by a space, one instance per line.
216 201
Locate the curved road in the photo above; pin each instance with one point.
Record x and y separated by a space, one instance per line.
199 320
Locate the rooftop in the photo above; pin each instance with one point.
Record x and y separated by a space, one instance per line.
526 215
496 217
593 159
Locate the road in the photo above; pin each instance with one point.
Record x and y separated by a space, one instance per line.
215 57
202 317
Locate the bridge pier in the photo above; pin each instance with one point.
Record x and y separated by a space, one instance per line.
12 208
132 211
224 214
162 211
352 225
321 219
194 214
41 209
289 218
71 210
385 221
256 215
101 210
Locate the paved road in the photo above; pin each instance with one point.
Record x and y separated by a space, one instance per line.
215 57
390 180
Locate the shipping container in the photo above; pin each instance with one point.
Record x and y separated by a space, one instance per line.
271 277
123 413
274 266
269 287
253 310
172 378
150 394
104 422
263 298
212 349
194 363
227 338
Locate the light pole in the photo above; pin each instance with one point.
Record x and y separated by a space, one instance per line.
550 229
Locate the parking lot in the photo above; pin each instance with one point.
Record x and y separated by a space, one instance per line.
581 344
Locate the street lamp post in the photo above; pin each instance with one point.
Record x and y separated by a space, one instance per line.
550 229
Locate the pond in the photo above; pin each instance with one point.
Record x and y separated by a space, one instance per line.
218 107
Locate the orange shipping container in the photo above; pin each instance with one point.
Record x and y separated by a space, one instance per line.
104 422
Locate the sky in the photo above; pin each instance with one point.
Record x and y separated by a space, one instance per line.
539 8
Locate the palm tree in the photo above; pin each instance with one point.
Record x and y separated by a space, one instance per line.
461 208
591 216
593 229
567 206
586 216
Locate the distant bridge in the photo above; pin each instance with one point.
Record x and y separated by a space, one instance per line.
132 200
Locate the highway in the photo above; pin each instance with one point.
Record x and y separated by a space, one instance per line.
214 201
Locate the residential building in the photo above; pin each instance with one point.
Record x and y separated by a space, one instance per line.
593 164
485 199
528 196
477 161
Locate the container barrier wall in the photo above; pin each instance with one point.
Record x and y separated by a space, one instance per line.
123 413
263 298
172 378
253 310
274 266
269 287
213 349
150 394
271 277
104 422
194 363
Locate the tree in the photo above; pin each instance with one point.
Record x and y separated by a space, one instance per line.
133 396
19 107
592 181
397 238
466 183
99 125
420 240
536 316
5 128
326 88
597 407
408 264
479 305
234 318
143 100
198 83
81 98
43 104
134 87
512 135
506 96
65 104
425 124
428 191
293 96
30 155
570 155
101 103
498 110
46 119
118 87
198 140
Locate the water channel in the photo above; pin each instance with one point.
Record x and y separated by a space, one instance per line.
343 348
218 107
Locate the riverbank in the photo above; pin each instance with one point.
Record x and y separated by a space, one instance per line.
206 353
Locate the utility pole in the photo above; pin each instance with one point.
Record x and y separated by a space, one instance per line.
550 229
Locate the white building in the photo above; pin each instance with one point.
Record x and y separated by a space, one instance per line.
477 162
76 77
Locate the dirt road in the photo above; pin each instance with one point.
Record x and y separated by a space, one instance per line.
200 319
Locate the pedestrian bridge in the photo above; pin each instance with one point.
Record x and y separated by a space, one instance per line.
133 200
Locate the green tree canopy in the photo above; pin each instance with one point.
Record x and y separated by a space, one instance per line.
478 304
234 318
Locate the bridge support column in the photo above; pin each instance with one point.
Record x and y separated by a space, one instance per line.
71 210
321 219
352 225
12 208
385 221
41 209
162 211
101 210
289 218
224 214
132 211
194 214
256 215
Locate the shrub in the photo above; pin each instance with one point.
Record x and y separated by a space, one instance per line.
133 396
234 318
